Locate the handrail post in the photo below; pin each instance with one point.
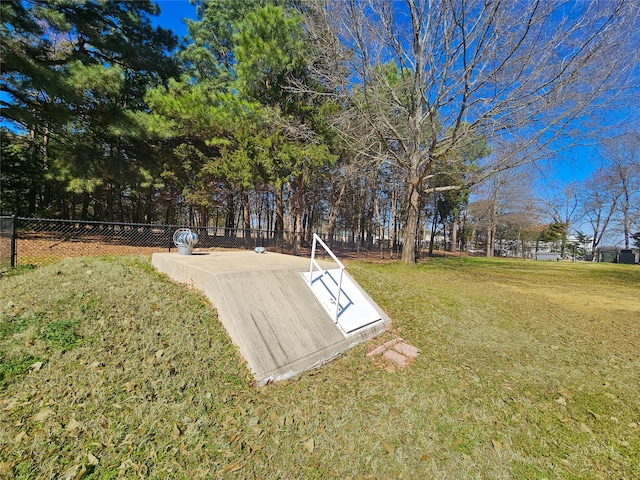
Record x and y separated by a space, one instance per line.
313 257
317 239
338 296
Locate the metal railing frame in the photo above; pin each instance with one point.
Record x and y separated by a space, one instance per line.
316 240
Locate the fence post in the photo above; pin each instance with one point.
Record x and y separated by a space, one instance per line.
170 237
14 236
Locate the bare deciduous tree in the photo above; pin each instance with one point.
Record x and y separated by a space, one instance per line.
562 205
622 155
504 201
426 78
600 199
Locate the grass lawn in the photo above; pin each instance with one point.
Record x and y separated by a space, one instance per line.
527 370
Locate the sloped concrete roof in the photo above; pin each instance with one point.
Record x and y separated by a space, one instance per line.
267 308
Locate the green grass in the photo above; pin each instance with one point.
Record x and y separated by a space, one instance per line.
15 367
527 370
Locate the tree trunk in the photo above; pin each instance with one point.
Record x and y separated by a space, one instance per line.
297 205
333 214
230 220
246 214
370 212
120 208
279 224
626 222
394 220
410 231
491 228
203 216
490 239
434 224
454 236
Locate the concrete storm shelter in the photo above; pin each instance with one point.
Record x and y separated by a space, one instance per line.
282 323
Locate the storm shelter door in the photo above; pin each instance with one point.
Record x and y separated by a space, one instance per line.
354 310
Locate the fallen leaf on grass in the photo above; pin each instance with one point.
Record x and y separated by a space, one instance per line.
389 447
497 445
42 415
585 428
92 460
36 366
72 425
564 392
75 472
255 448
425 457
310 445
561 401
11 404
232 467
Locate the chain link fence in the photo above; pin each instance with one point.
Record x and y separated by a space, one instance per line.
7 241
35 241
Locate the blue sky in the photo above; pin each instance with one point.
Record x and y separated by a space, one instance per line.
172 14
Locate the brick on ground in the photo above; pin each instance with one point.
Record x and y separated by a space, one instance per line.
396 358
406 349
391 343
379 349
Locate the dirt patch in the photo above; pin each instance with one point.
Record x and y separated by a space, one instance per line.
42 251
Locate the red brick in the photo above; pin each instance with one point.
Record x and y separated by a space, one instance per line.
391 343
379 349
406 349
396 358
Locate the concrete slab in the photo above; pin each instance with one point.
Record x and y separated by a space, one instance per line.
270 313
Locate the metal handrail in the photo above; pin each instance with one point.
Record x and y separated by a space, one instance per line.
317 239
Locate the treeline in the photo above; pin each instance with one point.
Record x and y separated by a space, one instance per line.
282 115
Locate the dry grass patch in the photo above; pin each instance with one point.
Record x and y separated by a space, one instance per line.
112 371
539 386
